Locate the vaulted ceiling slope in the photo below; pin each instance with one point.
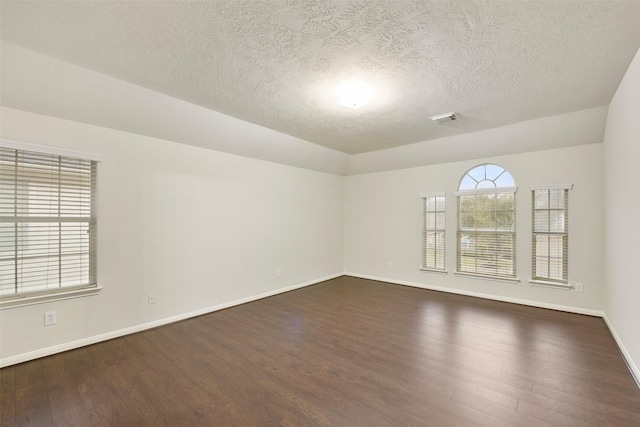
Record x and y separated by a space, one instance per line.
276 63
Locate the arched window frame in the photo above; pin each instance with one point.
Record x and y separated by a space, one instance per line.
486 225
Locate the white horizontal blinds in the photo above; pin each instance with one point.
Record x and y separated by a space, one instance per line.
486 222
550 234
486 234
433 233
47 222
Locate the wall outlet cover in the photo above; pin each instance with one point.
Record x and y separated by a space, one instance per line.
50 318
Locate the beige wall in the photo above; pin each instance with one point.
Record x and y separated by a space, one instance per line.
196 227
622 219
383 223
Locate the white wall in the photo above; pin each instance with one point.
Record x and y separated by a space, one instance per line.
383 223
196 227
622 219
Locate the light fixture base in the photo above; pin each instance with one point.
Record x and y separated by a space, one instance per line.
443 117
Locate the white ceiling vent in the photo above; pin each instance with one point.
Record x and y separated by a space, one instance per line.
444 117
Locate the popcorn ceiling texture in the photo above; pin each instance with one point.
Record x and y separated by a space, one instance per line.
276 63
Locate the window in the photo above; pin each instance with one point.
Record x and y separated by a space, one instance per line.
550 252
433 232
47 225
486 223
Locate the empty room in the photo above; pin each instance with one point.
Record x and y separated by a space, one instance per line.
320 212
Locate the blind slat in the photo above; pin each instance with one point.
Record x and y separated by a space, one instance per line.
486 234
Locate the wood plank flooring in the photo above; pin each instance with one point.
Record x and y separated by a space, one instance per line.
346 352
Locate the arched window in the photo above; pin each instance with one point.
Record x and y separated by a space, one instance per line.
486 223
486 176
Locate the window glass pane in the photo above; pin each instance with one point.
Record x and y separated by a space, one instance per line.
542 267
478 173
434 250
439 203
7 239
493 171
504 220
439 223
431 220
505 180
431 204
556 199
542 199
556 221
467 183
542 245
556 246
541 221
555 269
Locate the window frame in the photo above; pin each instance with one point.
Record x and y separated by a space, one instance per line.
535 278
426 230
62 292
511 190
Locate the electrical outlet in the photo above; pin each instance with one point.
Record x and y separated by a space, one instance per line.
279 272
151 298
50 318
579 287
389 264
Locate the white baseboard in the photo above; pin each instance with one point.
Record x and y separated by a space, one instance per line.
48 351
578 310
635 372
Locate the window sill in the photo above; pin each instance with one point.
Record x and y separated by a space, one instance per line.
491 278
42 298
550 284
433 270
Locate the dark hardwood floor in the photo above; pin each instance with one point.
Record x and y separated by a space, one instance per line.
346 352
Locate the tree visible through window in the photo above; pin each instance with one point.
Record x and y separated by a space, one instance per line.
486 222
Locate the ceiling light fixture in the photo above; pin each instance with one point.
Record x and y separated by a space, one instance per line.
444 117
354 94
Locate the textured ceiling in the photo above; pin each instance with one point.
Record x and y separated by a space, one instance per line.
277 63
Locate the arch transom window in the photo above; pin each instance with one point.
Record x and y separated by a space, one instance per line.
486 223
486 176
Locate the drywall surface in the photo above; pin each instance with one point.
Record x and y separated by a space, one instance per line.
383 224
563 130
44 85
622 222
195 227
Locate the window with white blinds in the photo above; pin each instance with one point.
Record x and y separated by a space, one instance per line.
47 223
486 223
433 232
550 234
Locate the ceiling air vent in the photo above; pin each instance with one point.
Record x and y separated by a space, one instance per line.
444 117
